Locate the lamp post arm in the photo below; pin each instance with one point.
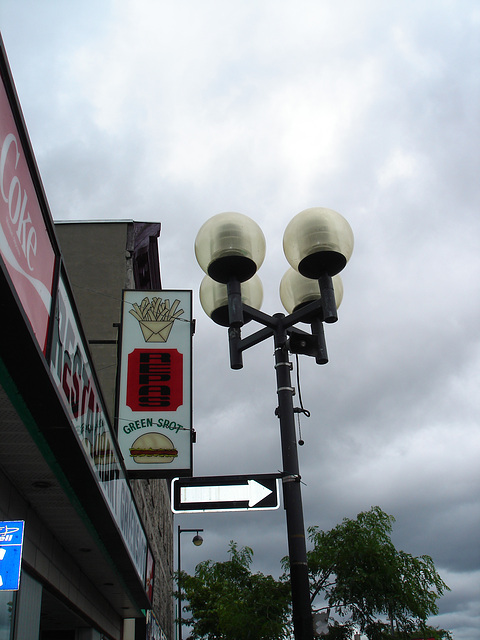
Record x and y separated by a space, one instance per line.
318 332
329 305
312 312
236 344
235 307
255 338
278 321
313 309
262 318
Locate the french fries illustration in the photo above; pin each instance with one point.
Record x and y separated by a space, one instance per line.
156 317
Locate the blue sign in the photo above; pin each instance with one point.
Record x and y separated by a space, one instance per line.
11 541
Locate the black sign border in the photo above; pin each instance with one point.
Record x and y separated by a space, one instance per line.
268 480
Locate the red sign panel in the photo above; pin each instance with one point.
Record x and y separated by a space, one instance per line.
24 241
155 380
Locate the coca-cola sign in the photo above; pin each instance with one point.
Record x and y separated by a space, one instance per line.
25 245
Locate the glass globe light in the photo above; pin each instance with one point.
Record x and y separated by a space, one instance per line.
297 290
214 298
230 245
318 240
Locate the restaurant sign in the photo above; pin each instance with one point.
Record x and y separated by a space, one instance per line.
74 378
154 399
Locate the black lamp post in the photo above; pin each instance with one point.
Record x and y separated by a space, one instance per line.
230 247
197 540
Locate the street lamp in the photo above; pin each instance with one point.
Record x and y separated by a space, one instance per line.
197 540
230 248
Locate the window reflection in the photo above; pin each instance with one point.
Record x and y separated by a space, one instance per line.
6 613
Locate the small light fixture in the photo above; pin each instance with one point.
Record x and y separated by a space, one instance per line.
318 241
197 540
296 290
214 298
230 244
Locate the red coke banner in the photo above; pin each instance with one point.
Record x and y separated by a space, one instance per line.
25 245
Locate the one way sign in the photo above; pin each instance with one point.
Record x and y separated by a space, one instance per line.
225 493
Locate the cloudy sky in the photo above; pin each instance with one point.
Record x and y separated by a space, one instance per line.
173 111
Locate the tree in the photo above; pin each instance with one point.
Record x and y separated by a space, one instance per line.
354 567
228 601
361 575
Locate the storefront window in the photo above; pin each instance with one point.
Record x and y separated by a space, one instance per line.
7 599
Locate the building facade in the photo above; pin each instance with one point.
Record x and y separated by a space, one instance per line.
97 548
102 259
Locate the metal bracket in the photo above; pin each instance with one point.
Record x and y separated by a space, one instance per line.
284 364
291 478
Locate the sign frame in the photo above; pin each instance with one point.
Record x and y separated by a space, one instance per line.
11 547
154 392
231 501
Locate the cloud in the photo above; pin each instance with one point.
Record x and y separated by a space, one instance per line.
461 610
174 112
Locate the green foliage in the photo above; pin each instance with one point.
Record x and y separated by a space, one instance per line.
354 568
430 632
360 574
382 631
227 601
337 631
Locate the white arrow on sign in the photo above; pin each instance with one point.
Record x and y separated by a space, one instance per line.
253 492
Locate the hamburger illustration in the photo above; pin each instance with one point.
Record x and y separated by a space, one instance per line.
153 448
